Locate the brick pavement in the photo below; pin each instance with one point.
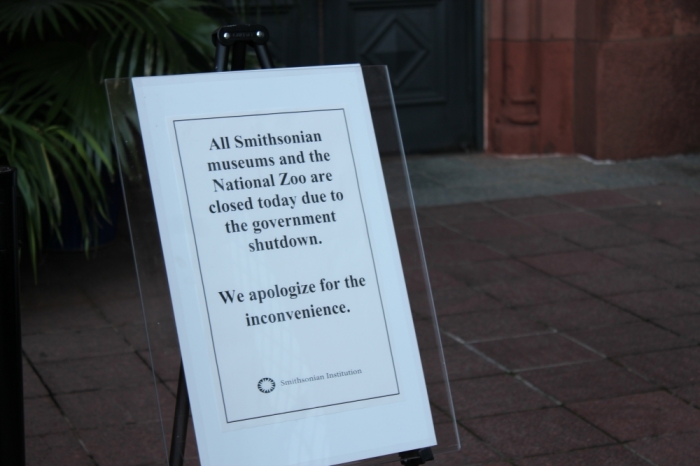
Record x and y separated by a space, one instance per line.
571 325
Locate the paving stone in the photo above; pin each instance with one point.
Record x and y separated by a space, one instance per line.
540 432
672 230
102 291
604 456
74 344
120 406
624 339
129 445
531 291
636 214
471 301
595 200
439 417
659 303
670 368
521 246
587 381
687 326
410 257
473 450
41 417
426 336
499 394
61 449
679 274
662 194
461 364
647 254
31 384
493 271
452 301
119 370
157 306
571 263
166 362
79 293
448 253
58 319
134 334
423 221
528 206
535 351
430 235
605 237
403 218
456 214
634 417
689 210
160 334
455 295
123 311
614 282
415 280
566 221
489 324
689 393
580 314
673 450
497 463
497 227
692 247
52 296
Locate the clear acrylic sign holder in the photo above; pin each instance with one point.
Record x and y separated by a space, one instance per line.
160 343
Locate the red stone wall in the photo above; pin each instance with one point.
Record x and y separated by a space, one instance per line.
612 79
530 76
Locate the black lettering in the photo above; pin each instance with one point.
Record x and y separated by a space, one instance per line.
227 295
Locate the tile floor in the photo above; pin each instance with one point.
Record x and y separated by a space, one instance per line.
568 297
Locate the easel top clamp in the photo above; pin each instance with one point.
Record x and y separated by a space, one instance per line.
236 38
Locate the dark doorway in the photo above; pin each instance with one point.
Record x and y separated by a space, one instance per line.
433 48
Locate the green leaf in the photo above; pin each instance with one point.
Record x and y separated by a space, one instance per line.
54 117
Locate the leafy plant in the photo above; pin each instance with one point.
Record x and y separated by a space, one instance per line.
54 116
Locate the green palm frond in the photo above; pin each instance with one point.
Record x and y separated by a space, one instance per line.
54 116
36 152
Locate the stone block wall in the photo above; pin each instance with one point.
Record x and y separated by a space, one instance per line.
611 79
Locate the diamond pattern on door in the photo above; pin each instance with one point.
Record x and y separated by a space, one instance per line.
397 46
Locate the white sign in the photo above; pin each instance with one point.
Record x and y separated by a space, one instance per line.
288 292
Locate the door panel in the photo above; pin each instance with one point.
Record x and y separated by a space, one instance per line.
433 49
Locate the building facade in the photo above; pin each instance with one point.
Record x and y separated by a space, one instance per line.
611 79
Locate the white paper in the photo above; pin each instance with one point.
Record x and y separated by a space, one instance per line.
287 287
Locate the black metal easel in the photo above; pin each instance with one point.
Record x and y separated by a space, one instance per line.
228 40
234 40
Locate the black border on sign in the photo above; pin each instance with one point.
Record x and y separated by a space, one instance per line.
369 241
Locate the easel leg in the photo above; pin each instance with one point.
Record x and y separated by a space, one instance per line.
182 414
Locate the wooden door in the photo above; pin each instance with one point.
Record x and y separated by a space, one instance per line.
433 48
